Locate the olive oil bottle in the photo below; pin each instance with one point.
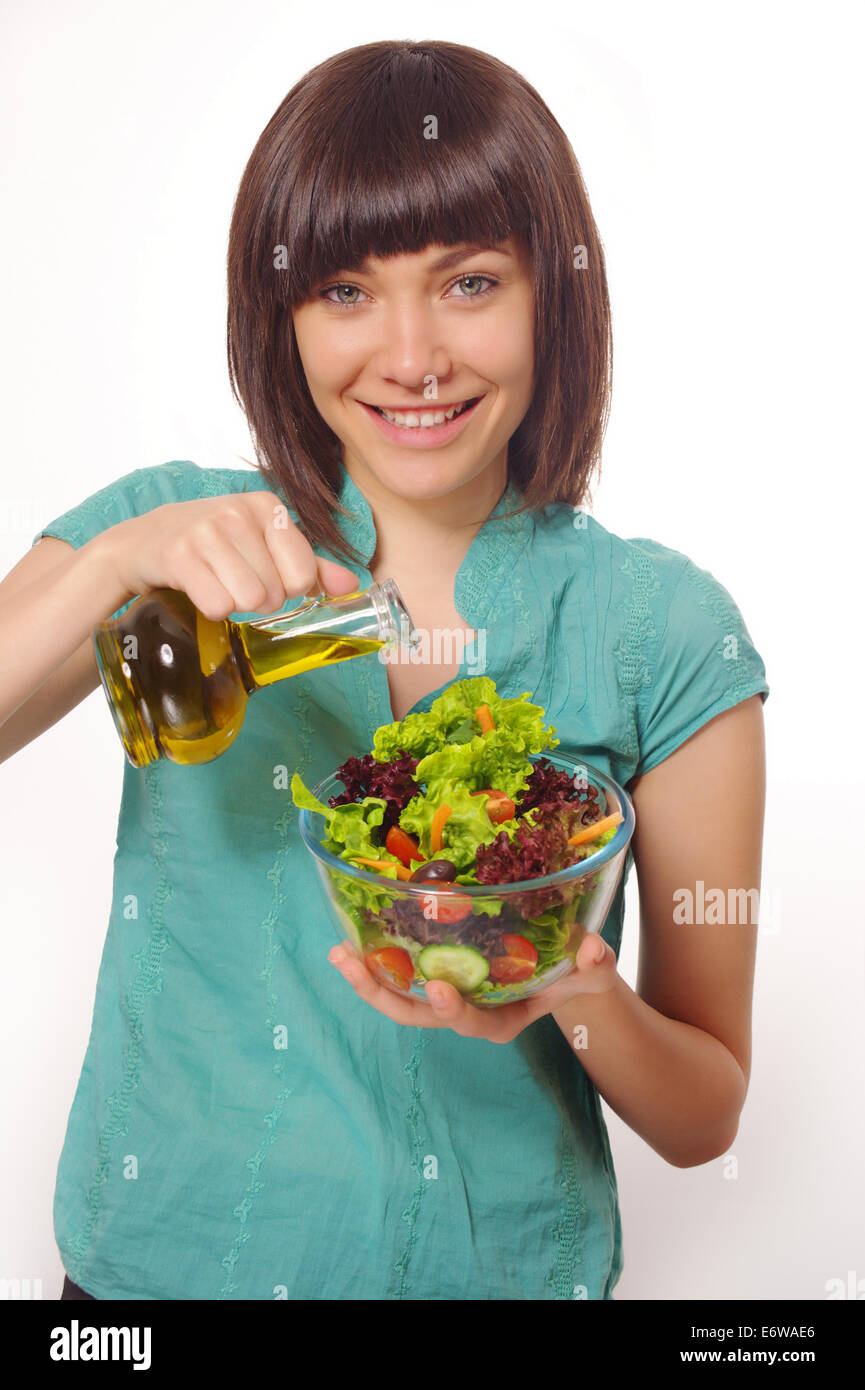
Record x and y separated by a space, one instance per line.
178 683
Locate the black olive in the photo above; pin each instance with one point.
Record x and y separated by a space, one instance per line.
435 869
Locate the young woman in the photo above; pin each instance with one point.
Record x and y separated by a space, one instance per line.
411 236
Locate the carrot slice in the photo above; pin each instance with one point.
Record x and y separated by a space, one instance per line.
401 871
438 821
485 719
591 832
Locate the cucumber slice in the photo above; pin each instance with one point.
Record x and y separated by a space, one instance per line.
460 966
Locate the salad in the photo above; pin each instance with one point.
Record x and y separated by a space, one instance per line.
451 797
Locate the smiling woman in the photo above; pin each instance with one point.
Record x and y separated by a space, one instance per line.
382 212
418 367
302 1133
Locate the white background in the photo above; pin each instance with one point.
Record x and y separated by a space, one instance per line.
719 147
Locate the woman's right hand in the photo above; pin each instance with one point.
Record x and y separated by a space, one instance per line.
237 553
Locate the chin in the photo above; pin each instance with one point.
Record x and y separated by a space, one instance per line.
418 478
424 488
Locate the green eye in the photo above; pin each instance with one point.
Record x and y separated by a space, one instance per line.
486 280
340 303
491 285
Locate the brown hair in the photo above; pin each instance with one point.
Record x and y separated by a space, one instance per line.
343 171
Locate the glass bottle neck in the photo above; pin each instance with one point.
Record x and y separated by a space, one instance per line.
322 632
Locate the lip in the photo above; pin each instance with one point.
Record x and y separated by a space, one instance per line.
429 438
419 406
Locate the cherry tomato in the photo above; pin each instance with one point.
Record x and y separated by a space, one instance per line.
391 965
449 912
520 947
403 846
510 970
499 807
519 963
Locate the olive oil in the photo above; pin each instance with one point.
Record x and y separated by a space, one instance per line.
178 683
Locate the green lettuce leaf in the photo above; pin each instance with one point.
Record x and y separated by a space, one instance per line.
304 799
417 734
349 827
350 833
519 717
495 760
467 827
451 719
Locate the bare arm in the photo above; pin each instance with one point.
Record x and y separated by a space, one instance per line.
673 1059
49 604
233 553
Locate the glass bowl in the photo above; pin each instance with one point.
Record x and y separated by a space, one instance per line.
466 933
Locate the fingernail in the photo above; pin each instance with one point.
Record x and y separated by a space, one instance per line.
600 953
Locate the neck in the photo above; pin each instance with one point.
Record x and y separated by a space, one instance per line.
443 527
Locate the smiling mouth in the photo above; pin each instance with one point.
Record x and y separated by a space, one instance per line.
423 418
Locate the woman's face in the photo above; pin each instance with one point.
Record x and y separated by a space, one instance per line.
423 332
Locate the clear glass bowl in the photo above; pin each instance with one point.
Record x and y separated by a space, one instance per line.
423 919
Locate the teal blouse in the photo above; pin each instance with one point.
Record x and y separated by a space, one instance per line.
206 1159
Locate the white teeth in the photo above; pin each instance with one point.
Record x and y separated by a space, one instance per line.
411 420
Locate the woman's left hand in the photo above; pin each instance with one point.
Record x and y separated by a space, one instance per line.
448 1009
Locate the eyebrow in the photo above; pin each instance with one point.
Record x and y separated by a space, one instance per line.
459 253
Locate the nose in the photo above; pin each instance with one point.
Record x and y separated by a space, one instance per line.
412 347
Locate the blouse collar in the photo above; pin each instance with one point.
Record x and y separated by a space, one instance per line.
490 556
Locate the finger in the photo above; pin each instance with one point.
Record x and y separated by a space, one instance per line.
243 530
499 1025
450 1007
401 1009
233 563
336 579
302 571
596 972
588 976
553 997
593 953
443 996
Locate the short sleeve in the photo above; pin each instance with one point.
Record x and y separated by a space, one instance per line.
137 492
705 663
